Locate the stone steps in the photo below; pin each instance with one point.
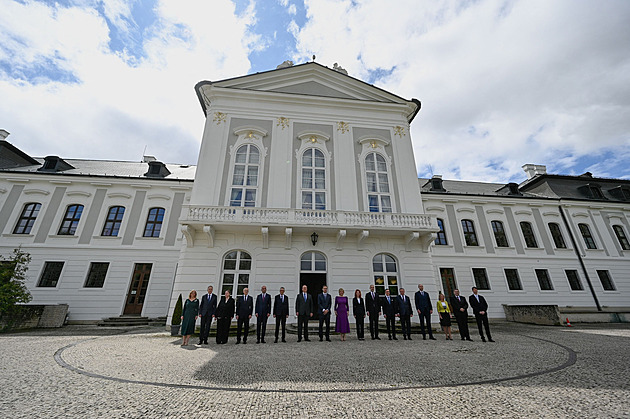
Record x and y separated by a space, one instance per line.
124 321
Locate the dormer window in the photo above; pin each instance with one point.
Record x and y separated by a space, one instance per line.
54 164
513 189
592 191
436 183
157 169
621 192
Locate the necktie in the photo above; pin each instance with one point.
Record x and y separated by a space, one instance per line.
305 297
458 298
282 298
372 295
388 300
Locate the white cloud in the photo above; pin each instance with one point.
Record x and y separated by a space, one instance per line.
114 108
502 83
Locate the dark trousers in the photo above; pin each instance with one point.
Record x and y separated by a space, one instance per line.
223 329
425 316
374 324
483 318
405 325
324 319
360 327
462 325
281 320
242 323
261 327
303 326
390 321
206 321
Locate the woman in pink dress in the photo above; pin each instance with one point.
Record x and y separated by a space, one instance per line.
341 311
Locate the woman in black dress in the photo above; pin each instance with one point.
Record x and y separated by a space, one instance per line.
358 308
224 314
189 316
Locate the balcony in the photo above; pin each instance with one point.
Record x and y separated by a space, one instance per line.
343 223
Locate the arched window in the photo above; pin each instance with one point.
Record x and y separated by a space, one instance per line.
556 235
528 234
113 221
587 236
313 179
385 274
313 262
154 222
469 233
245 177
377 183
441 235
71 220
237 266
27 218
621 236
499 233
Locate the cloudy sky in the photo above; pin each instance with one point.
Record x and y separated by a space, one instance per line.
502 83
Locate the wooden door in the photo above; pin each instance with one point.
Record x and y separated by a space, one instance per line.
448 282
138 288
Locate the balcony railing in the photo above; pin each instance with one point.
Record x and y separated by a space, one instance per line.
295 217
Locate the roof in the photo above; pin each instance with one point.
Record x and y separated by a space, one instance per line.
110 168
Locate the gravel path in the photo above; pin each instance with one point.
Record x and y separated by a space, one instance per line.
530 370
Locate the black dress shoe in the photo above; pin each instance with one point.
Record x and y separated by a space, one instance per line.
308 340
263 341
200 343
424 338
328 340
284 341
299 340
257 341
490 340
432 338
405 337
238 341
321 339
470 340
395 338
390 338
377 338
275 341
244 342
483 339
409 338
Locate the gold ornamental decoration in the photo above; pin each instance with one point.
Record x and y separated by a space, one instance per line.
399 131
219 117
343 127
283 122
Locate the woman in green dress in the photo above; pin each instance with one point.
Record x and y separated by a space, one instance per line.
189 316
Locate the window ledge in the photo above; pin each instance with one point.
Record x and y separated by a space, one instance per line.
443 245
87 289
517 291
474 247
108 237
149 238
55 288
505 247
63 236
17 235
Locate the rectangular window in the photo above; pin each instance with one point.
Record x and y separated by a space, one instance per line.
441 235
50 274
154 222
513 280
543 280
556 234
574 280
587 236
528 234
96 275
606 280
481 278
113 221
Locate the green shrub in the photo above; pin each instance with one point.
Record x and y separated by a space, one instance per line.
12 289
177 312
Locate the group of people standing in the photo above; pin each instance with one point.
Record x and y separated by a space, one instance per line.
372 306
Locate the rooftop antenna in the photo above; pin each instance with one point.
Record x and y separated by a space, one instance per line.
313 57
144 152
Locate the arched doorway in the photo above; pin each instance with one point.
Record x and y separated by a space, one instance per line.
313 270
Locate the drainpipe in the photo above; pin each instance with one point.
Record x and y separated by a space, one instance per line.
579 256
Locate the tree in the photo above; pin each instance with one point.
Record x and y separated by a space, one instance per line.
177 312
12 276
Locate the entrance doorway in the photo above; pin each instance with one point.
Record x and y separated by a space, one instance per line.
138 289
313 275
448 282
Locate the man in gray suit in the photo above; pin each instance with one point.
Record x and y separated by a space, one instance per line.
206 312
303 311
324 302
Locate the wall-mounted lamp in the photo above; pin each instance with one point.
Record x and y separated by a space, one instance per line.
314 238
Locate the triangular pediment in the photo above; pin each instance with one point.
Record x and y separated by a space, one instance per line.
311 79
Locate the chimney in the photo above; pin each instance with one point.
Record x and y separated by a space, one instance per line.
534 170
148 159
3 134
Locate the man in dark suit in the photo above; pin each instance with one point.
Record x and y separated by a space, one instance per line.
460 309
263 311
207 308
303 311
390 308
324 302
244 309
405 312
480 307
373 308
281 313
423 305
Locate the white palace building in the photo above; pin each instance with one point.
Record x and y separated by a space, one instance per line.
306 176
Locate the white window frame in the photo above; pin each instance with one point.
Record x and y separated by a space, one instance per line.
247 135
385 273
375 144
236 272
316 140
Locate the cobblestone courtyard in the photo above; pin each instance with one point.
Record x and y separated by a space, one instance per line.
85 371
